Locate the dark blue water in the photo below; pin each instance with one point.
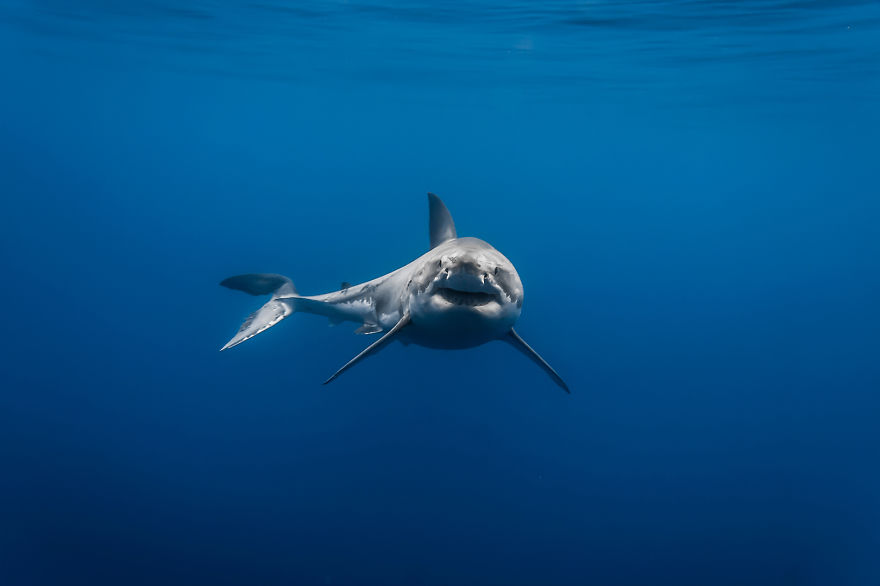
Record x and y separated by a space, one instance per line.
689 191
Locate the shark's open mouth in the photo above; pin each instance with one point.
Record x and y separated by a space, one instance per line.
469 298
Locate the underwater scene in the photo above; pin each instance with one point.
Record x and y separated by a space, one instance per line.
632 337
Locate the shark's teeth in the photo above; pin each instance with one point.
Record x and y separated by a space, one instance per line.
469 283
467 298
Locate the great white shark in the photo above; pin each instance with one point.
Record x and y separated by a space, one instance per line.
460 294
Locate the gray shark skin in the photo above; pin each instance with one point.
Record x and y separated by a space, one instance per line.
460 294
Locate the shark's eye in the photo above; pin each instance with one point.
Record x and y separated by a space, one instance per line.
496 270
439 263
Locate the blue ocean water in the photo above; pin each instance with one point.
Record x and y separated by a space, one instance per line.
689 191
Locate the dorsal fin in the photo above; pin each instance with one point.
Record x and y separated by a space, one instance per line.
440 223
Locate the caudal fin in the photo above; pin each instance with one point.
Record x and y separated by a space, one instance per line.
272 312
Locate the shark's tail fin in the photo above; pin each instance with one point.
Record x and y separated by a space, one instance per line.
272 312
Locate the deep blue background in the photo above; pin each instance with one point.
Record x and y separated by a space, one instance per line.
688 190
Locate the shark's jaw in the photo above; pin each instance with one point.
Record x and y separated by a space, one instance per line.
467 298
467 287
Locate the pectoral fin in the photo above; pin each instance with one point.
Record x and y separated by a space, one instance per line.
374 347
514 340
